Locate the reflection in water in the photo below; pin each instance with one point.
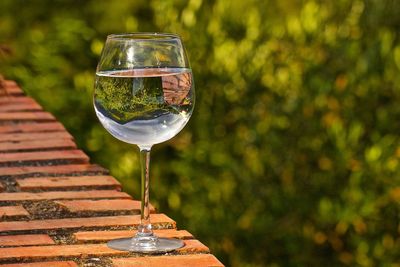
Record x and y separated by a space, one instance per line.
176 87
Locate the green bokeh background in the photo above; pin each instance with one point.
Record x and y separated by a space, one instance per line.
292 155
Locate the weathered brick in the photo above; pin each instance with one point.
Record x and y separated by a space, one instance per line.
32 127
12 99
89 236
37 145
76 156
43 264
25 240
40 252
159 220
24 128
67 182
15 91
26 116
198 260
12 88
9 211
84 250
34 136
12 107
53 195
102 205
55 169
11 84
193 246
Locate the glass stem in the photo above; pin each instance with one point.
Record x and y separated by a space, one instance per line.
145 228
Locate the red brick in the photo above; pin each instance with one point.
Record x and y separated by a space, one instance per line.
26 116
12 88
12 99
37 145
14 91
89 236
197 260
84 250
57 169
34 136
193 246
71 155
25 240
43 264
67 182
20 133
8 211
20 107
32 127
9 83
52 195
159 220
39 252
102 205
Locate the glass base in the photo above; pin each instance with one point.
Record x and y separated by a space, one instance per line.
148 244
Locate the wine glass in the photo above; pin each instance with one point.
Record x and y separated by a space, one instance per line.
144 95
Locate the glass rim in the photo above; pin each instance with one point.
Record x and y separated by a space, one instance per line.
143 36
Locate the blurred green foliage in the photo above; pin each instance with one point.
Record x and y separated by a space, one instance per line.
292 155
